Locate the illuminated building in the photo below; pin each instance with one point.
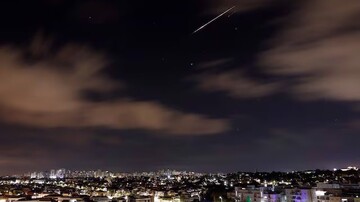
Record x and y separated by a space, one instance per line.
298 195
60 173
52 174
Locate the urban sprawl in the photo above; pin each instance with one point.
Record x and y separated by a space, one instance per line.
337 185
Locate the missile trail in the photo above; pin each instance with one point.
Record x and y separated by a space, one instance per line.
200 28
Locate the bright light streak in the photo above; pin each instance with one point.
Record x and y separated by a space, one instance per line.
200 28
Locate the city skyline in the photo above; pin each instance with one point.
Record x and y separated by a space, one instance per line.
338 185
62 172
201 85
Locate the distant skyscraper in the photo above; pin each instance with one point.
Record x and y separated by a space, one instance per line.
52 174
33 175
60 173
40 175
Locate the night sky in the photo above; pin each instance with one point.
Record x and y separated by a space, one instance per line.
125 85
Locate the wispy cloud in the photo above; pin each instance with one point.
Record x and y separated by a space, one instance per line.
45 90
235 83
319 48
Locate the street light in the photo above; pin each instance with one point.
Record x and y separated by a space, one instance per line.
220 197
